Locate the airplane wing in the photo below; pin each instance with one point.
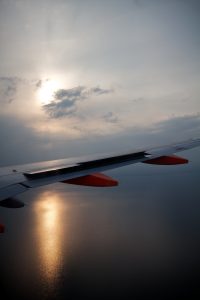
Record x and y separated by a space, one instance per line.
82 171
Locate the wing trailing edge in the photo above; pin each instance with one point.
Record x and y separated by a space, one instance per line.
82 171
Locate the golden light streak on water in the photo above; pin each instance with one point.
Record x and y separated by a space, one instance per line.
49 213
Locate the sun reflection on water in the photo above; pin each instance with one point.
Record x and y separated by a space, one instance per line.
49 209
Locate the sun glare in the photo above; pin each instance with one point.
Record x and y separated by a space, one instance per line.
47 90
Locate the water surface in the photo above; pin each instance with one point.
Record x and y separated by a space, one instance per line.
137 241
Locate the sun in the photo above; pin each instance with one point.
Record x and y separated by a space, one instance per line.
46 91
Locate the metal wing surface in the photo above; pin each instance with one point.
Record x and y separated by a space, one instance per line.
18 179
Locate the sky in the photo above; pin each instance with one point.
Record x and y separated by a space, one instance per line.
80 77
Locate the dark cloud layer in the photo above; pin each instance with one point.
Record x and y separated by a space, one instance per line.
22 144
65 100
183 124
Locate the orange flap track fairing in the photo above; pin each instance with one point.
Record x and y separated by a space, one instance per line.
2 228
97 180
167 160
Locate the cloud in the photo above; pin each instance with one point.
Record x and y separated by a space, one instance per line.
64 103
138 100
110 117
73 94
58 109
38 84
65 100
8 88
99 91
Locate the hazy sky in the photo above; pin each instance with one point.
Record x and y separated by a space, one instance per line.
78 77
